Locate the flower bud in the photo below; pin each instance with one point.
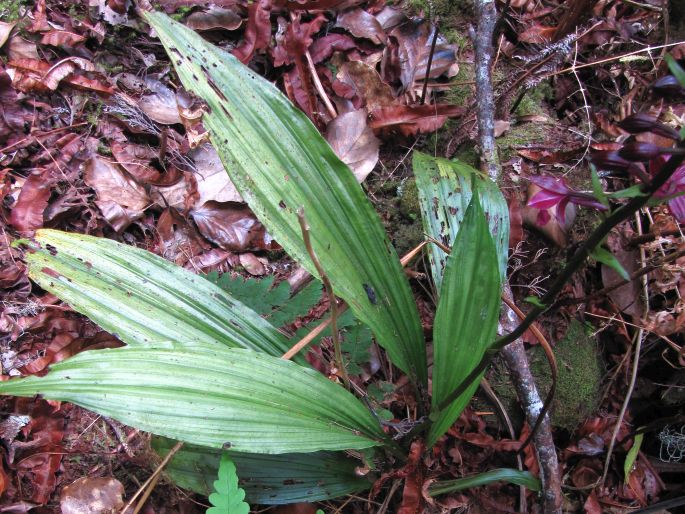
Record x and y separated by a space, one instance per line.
640 152
642 122
609 160
668 86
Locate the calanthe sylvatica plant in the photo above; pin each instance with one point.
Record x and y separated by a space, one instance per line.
201 367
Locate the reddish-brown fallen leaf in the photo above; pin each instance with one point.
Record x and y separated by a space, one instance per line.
310 5
232 227
27 213
413 482
179 241
12 116
61 38
90 495
322 48
139 161
413 119
37 74
214 17
258 31
360 23
547 156
354 142
297 39
537 34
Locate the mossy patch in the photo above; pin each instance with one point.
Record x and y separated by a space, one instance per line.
464 91
442 8
580 376
535 100
521 135
10 10
398 204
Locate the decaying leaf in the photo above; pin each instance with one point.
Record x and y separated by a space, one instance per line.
231 226
410 120
214 17
212 180
160 104
120 198
92 496
5 31
27 213
354 142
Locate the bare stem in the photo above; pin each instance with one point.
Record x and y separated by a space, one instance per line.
339 364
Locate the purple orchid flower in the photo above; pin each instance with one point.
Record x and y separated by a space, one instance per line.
673 186
556 192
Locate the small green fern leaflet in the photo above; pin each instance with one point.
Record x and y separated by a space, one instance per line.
228 498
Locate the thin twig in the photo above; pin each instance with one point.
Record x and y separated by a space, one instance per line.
633 374
151 479
339 364
319 86
342 306
430 63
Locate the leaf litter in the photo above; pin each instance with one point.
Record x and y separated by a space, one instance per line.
97 137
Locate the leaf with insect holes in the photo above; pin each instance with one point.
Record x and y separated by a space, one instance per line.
280 163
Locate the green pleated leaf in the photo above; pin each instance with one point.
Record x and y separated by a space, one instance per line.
467 315
267 479
513 476
445 190
279 162
142 298
211 396
227 497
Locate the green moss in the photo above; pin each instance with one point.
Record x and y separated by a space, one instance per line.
409 199
467 153
520 135
462 93
442 8
580 376
10 10
535 99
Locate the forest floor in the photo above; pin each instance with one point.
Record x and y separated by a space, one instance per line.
94 139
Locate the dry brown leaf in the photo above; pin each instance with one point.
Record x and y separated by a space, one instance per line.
367 84
628 297
252 264
390 17
214 18
160 104
213 183
92 496
362 24
5 31
20 48
410 120
140 161
232 227
120 198
354 142
179 240
27 213
61 38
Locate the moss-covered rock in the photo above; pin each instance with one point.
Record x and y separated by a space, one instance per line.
580 376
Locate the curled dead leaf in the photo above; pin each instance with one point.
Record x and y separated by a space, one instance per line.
362 24
232 227
160 104
5 31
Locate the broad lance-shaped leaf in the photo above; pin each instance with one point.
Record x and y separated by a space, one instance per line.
227 497
467 315
211 396
279 162
142 298
267 479
445 189
513 476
